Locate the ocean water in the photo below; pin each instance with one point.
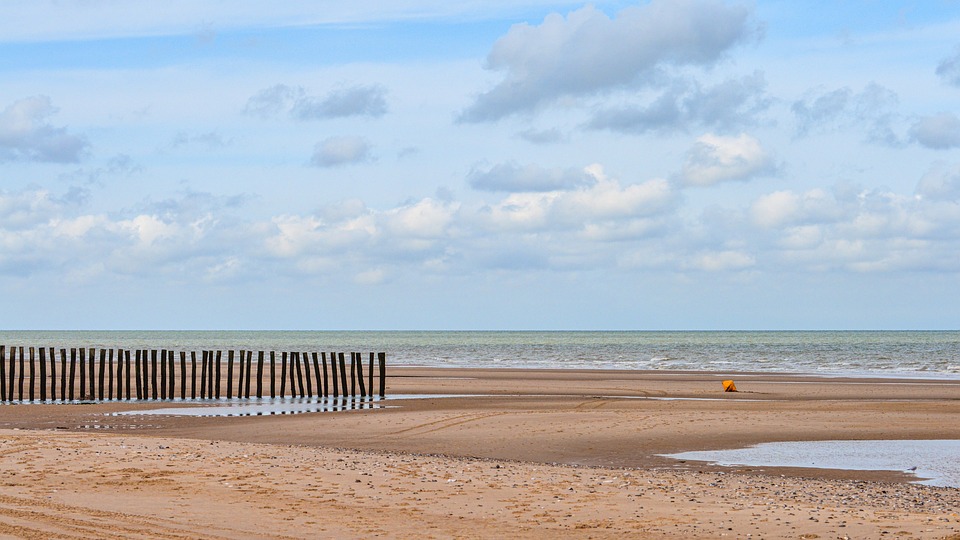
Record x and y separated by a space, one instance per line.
936 461
857 353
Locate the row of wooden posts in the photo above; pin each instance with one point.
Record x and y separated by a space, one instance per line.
152 374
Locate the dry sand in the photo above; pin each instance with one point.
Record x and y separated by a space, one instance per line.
552 454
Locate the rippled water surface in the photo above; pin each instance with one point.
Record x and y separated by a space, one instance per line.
913 353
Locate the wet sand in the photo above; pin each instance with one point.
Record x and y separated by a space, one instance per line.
522 454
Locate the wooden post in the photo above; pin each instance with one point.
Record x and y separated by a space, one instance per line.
293 377
163 374
13 371
120 373
183 374
3 372
110 372
229 374
246 392
383 373
53 374
316 373
343 374
240 372
33 373
83 372
43 374
217 385
203 376
73 369
333 373
283 374
172 376
92 367
273 380
103 372
210 374
139 376
363 390
126 359
63 375
193 375
299 374
154 390
353 373
259 374
306 370
370 375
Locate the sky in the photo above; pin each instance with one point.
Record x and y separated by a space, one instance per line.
516 165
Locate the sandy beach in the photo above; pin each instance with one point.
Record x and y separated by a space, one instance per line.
519 454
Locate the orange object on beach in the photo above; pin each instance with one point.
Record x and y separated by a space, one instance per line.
728 386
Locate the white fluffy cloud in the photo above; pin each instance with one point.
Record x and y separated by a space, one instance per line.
587 51
26 134
714 159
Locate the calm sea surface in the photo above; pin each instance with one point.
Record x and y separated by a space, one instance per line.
881 353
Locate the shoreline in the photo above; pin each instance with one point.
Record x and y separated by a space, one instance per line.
535 456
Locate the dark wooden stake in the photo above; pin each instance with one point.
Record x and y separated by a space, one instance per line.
126 359
363 390
383 373
246 392
139 376
172 376
13 371
203 376
259 374
73 369
343 374
110 372
92 367
316 373
353 373
283 374
219 357
299 375
183 374
43 374
306 372
33 373
154 390
333 373
103 373
63 375
120 374
229 374
370 375
193 375
273 375
3 372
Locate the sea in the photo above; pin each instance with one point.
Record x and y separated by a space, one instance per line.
891 354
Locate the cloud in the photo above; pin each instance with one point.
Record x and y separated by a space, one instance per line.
210 140
874 107
337 151
354 101
273 101
949 69
941 183
726 106
787 208
588 52
714 159
512 178
546 136
605 200
279 99
25 134
940 132
720 261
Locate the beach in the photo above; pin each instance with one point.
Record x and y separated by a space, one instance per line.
520 453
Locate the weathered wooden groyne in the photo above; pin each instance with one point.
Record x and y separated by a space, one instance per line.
40 374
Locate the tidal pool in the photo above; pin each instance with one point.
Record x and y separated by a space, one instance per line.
933 462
